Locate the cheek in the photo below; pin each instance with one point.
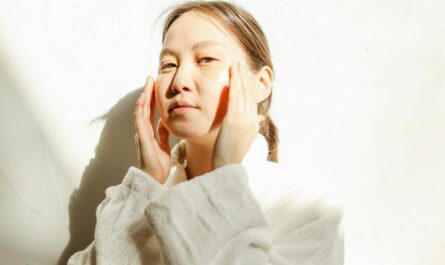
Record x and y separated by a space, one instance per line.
216 96
214 79
218 73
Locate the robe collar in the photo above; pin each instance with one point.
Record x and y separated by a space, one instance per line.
258 152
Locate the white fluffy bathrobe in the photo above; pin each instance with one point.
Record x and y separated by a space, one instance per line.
252 213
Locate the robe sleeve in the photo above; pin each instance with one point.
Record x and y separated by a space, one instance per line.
216 219
121 228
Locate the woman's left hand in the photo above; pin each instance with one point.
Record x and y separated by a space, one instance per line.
241 122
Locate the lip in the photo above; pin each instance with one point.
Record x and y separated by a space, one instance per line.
183 105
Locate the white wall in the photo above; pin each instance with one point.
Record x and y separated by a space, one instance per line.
359 97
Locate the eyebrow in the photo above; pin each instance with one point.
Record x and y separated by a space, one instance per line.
198 45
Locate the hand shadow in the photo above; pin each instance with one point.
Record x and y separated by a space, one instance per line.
114 154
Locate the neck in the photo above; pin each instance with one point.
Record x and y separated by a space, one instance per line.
199 155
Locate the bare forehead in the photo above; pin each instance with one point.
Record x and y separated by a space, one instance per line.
193 31
196 46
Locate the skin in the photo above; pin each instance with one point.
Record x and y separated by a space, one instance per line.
215 79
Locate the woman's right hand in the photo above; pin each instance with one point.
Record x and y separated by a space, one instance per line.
153 154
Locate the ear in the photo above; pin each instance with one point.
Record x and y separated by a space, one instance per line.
264 79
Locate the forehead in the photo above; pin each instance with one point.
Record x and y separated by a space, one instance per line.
192 28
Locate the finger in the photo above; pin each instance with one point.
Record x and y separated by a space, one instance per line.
136 141
140 102
138 112
140 122
243 93
249 93
153 104
234 87
163 134
242 75
246 90
148 89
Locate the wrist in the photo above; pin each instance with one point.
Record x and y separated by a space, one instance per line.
157 177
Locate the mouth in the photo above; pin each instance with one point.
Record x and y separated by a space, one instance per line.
180 105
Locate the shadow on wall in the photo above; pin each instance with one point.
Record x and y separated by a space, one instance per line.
114 154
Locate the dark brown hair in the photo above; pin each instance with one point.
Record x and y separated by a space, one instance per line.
243 26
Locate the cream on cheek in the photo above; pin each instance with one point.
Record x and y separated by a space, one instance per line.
216 74
213 90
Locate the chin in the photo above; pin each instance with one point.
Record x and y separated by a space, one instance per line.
191 132
185 131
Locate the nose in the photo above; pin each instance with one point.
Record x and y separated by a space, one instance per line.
182 80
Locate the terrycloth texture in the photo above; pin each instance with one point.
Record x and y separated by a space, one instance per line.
252 213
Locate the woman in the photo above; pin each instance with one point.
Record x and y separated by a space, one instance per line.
220 198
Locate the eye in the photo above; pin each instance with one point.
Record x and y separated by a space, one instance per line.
167 65
206 60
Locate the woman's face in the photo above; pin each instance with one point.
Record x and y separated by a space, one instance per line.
194 70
